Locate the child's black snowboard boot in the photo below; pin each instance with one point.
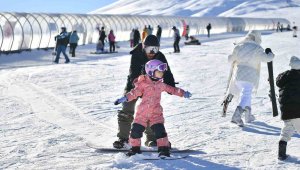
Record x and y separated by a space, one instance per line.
134 150
282 150
163 151
120 143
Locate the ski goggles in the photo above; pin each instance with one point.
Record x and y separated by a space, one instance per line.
151 49
162 67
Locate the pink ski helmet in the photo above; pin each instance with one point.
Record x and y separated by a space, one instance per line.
153 65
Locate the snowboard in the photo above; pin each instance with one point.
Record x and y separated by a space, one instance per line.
228 96
172 157
104 52
143 149
154 150
225 104
272 94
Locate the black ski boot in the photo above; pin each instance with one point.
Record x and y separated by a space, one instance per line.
282 150
120 143
150 143
134 150
163 152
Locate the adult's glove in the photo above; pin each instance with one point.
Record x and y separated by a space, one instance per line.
187 94
268 50
121 100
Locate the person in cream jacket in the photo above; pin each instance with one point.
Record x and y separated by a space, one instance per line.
246 59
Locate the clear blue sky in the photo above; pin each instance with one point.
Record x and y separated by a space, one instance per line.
53 6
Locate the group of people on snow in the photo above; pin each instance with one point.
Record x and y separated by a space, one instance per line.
62 41
246 58
150 75
294 28
101 41
72 38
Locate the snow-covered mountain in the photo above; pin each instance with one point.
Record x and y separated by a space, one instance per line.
196 8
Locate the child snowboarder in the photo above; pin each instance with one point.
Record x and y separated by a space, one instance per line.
289 99
150 87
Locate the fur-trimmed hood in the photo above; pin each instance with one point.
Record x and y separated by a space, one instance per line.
254 35
295 63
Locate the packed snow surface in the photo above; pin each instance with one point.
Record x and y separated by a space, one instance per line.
49 112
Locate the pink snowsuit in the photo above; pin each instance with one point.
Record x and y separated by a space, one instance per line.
150 111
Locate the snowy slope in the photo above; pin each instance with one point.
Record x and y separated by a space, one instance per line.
197 7
49 112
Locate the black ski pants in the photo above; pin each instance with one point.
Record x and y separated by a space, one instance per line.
176 45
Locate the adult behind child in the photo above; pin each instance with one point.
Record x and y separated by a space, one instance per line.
150 112
247 57
140 55
289 100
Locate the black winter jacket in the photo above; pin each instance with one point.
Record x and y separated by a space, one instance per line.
137 67
63 39
289 94
102 36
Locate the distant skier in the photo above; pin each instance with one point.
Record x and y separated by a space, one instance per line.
187 32
73 42
177 38
158 33
150 112
289 99
208 28
136 37
295 29
144 33
246 57
141 54
278 27
62 41
112 40
131 38
102 36
149 30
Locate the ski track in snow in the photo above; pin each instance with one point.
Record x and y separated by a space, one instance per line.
48 113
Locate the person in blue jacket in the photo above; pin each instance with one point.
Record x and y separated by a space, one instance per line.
73 42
